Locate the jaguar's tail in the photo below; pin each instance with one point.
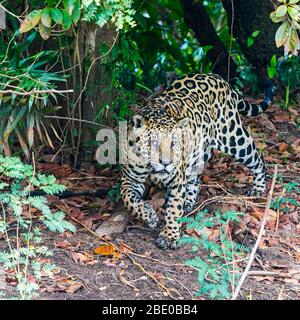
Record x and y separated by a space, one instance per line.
248 109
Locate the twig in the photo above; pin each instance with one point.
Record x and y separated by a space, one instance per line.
29 93
231 36
272 274
9 12
75 119
262 228
151 276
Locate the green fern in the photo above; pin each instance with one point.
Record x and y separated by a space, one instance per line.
214 272
25 248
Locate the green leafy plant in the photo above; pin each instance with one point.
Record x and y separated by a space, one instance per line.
68 12
23 257
251 39
285 200
114 194
119 12
288 14
62 13
217 271
272 69
26 90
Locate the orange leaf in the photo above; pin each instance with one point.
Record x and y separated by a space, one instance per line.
283 147
206 179
108 250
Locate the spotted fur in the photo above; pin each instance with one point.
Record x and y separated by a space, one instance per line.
208 109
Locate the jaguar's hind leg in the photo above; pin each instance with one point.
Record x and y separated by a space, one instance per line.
240 145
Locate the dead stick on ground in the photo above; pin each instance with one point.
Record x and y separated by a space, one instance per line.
160 285
272 274
262 227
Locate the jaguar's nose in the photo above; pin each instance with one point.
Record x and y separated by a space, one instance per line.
165 161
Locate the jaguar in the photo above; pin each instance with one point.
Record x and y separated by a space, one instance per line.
169 140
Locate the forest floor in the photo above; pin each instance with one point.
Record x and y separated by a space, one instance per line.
143 271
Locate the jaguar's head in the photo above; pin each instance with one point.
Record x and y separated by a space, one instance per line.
158 142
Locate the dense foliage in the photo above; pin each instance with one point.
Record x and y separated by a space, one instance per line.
148 43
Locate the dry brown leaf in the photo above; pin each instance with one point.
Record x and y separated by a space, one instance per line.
56 169
115 224
74 287
63 244
82 258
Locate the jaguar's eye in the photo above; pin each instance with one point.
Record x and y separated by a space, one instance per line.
154 144
173 144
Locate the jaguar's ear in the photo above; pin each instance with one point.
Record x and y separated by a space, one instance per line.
137 121
184 122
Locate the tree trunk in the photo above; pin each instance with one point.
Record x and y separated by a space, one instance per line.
198 20
249 16
96 83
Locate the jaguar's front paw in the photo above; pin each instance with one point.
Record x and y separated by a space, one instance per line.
188 207
165 241
150 216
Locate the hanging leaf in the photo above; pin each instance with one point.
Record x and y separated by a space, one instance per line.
12 124
69 6
281 11
56 15
293 1
276 19
22 143
282 34
294 42
294 12
44 31
67 20
30 125
30 21
45 18
76 11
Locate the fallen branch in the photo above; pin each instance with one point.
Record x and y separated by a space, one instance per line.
272 274
262 228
